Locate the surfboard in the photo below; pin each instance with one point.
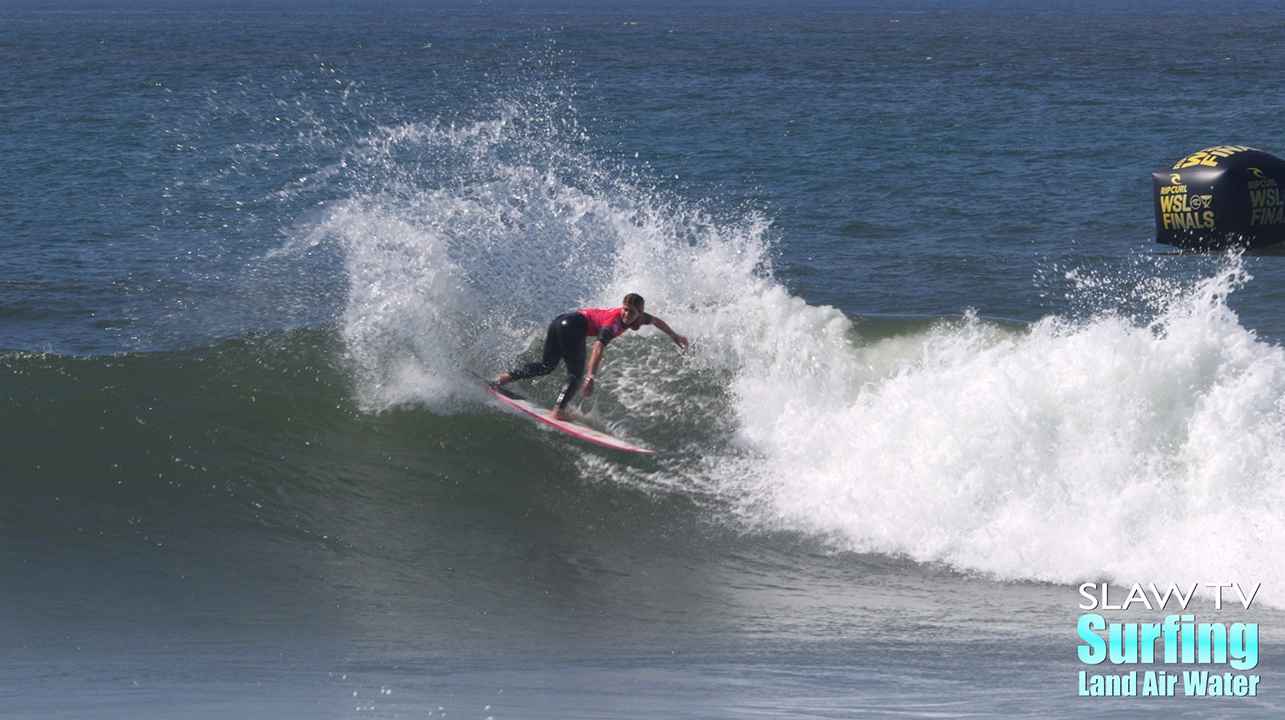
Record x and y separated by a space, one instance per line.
575 429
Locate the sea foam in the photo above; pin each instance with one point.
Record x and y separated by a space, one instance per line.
1105 447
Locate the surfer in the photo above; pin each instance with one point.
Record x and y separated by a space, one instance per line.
565 342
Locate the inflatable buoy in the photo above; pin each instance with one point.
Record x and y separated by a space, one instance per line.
1220 198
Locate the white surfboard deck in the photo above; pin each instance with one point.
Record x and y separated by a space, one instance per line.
575 429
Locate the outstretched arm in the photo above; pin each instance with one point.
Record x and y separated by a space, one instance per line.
680 340
595 358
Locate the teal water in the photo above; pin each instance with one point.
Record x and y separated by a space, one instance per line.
940 372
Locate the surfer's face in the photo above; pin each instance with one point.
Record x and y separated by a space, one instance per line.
632 316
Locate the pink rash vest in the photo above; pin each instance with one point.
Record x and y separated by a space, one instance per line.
606 323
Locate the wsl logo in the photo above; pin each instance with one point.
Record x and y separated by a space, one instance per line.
1210 650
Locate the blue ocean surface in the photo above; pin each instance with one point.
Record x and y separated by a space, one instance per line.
253 256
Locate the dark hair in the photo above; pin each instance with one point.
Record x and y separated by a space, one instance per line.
634 300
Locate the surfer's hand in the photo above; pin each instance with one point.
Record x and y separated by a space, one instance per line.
587 390
681 340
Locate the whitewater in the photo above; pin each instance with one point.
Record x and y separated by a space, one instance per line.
1097 447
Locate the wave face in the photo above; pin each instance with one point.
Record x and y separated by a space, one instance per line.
1077 447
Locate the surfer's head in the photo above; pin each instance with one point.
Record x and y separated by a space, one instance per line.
633 310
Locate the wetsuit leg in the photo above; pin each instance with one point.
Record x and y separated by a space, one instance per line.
572 336
564 342
549 358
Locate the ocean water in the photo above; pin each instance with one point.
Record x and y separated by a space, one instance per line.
940 375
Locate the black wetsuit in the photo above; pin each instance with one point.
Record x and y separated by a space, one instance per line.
564 342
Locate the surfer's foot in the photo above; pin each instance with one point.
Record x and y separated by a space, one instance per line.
504 379
561 415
